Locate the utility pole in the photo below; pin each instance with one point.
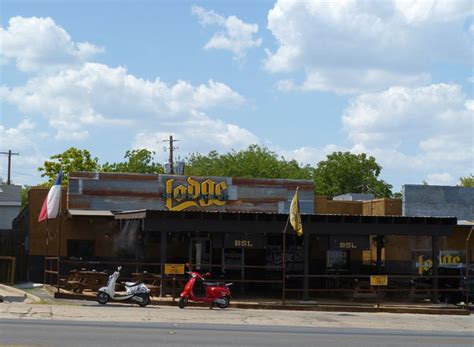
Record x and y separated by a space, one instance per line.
171 148
9 153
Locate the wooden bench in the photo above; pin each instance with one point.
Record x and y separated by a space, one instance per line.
78 281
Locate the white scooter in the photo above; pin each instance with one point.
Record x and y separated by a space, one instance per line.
137 292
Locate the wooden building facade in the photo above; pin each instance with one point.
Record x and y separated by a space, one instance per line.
234 228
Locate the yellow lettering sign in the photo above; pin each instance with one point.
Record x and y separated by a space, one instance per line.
378 280
423 265
174 269
199 194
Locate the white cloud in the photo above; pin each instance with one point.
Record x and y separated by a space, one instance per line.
20 139
359 46
238 36
310 155
39 43
440 179
200 134
426 129
75 100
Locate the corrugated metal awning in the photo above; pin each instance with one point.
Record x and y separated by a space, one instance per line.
136 214
89 213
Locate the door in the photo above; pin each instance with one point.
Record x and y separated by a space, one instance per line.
200 254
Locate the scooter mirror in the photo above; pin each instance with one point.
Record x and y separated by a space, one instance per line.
119 268
207 274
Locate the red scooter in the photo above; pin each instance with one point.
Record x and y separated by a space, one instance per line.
198 290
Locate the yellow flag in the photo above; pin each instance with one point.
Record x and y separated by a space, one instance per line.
295 217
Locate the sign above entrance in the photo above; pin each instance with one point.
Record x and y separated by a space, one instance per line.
194 194
349 242
244 241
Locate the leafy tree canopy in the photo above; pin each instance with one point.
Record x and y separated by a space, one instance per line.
467 181
255 162
138 160
24 195
344 172
70 160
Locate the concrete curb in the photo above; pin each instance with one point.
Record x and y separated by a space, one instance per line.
292 307
20 292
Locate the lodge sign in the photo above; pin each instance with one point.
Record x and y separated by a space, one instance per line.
194 193
446 258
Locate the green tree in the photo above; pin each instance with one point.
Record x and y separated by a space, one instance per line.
344 172
467 181
24 195
397 195
255 162
70 160
138 160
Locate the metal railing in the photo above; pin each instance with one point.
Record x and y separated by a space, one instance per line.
409 287
50 270
8 269
358 286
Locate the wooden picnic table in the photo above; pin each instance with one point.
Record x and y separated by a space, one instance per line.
80 280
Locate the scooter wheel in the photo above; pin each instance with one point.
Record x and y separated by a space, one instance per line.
146 300
182 302
102 298
225 303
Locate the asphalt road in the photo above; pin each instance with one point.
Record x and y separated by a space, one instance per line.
78 333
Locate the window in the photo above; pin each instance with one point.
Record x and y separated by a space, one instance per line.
81 249
337 260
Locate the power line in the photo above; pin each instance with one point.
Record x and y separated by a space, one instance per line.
9 153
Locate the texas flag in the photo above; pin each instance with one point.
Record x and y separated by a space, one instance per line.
51 203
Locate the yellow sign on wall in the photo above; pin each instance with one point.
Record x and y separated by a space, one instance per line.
378 280
174 269
199 194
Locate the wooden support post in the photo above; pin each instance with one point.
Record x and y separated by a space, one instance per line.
435 259
468 264
306 266
379 254
163 242
12 279
174 288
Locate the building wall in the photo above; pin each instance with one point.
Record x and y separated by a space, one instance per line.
376 207
10 204
325 206
438 201
124 192
382 207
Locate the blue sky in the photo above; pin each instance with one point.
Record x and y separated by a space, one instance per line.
390 78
